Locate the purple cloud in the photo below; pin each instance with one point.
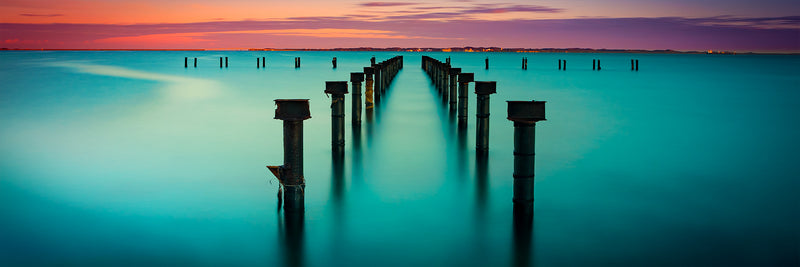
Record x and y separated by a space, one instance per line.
40 15
384 4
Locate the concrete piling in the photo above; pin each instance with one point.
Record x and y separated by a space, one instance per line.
356 78
524 114
483 90
368 90
463 97
292 112
337 90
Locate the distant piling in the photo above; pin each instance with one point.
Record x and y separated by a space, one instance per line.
637 65
483 90
368 87
356 78
524 63
487 63
258 63
372 61
333 61
598 65
524 114
185 62
220 62
195 62
559 64
292 112
463 97
337 89
593 64
226 62
264 62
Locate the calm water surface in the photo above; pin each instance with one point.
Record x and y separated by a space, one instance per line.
128 158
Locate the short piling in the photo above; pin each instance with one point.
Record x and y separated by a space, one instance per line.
524 114
356 78
483 90
377 90
463 97
337 90
368 90
293 112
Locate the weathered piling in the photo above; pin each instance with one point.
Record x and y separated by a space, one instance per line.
333 61
483 90
337 90
463 97
454 72
185 62
226 62
524 114
195 62
376 90
356 78
293 112
487 63
368 84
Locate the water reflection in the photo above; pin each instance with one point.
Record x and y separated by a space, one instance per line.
522 235
292 231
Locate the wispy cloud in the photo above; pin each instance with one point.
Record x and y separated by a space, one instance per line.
386 4
40 15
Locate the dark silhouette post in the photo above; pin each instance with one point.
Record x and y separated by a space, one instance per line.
483 90
463 84
445 91
368 90
637 65
631 64
523 63
258 63
372 61
487 63
264 62
195 62
524 114
293 112
356 78
559 64
334 62
593 64
337 90
226 62
378 72
598 65
565 65
220 62
454 72
185 62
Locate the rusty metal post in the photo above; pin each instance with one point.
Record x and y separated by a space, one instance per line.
337 89
463 84
453 92
293 112
368 90
356 78
524 114
483 90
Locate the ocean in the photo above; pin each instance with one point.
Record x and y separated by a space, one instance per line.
126 158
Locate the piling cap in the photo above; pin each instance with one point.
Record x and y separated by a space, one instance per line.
466 77
455 71
336 88
369 70
376 67
356 77
292 109
485 88
526 111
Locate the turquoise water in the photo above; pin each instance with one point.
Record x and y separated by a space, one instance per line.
128 158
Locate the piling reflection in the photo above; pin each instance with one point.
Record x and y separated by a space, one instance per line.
522 227
292 231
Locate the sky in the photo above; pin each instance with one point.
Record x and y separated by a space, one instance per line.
700 25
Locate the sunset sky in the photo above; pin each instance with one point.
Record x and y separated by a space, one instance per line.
767 25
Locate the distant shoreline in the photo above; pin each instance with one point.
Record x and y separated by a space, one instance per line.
452 49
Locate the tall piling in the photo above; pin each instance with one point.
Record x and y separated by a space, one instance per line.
356 78
368 90
463 97
524 114
337 90
454 72
292 112
483 90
